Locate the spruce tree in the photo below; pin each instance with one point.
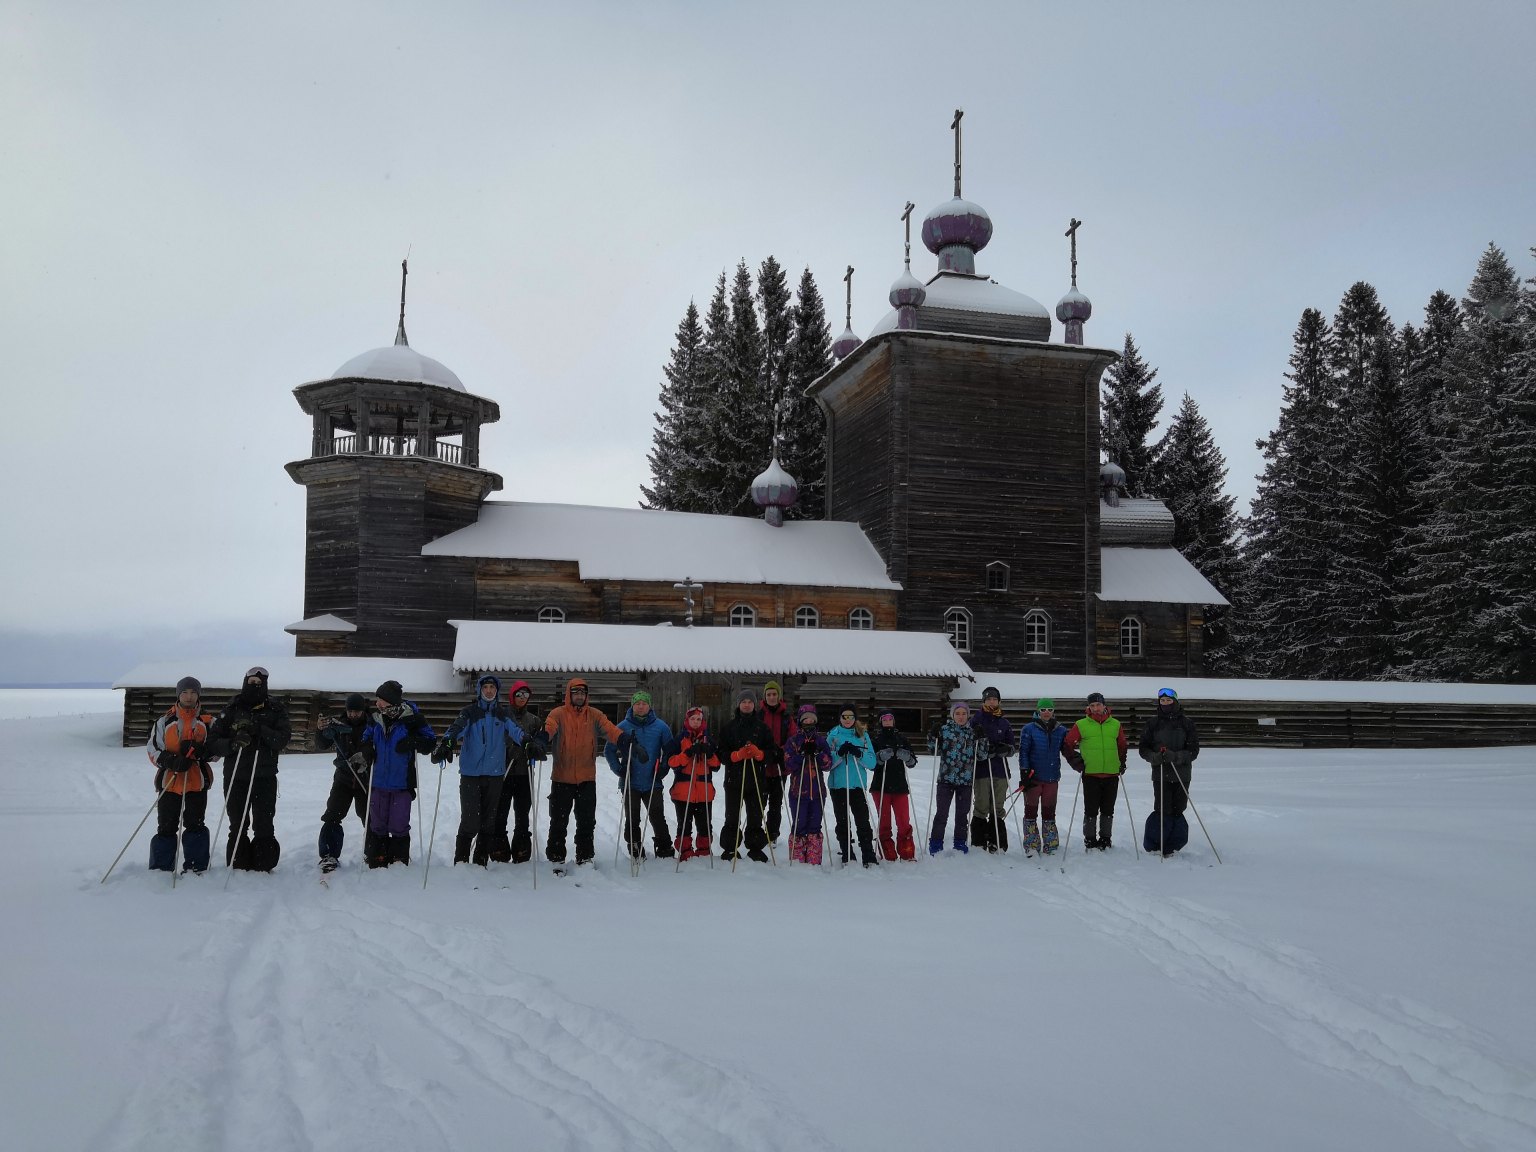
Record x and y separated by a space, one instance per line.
802 424
1192 474
717 353
679 448
1129 410
1289 552
740 425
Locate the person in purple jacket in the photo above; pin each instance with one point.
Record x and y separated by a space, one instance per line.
989 827
806 757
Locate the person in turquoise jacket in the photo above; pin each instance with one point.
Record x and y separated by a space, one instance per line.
480 735
853 759
636 759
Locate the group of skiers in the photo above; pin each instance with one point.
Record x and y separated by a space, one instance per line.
776 760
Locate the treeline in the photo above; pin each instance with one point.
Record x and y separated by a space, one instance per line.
735 377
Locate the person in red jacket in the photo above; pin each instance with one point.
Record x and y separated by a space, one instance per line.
693 763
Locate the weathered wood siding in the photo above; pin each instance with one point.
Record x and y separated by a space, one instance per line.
1170 639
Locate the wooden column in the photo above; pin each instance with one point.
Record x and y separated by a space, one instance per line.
424 445
364 423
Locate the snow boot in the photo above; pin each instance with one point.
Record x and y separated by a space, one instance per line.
328 864
805 849
264 854
501 848
664 850
981 833
461 849
376 850
935 846
757 854
162 852
1031 838
1106 827
522 848
702 846
1052 838
685 847
400 849
905 848
196 847
887 847
962 847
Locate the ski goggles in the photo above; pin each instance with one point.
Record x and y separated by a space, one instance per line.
1167 692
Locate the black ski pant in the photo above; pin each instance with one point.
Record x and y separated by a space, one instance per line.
1099 793
258 824
693 819
743 789
514 803
773 802
478 796
346 792
1170 783
842 800
642 807
562 798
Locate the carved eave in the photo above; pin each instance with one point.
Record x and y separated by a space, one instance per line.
345 466
332 396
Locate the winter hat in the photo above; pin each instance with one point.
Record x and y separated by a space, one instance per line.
745 695
259 672
773 686
1045 704
959 706
392 693
1167 693
640 697
356 703
187 682
1096 698
991 693
806 710
887 715
693 710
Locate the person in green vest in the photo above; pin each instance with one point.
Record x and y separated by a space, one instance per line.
1095 746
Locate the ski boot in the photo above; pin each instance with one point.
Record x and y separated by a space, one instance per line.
935 846
1031 838
1052 840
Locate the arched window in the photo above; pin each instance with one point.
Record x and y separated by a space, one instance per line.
743 616
861 620
807 617
551 615
1130 638
1037 633
957 622
997 576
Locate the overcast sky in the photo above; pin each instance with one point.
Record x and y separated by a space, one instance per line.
205 205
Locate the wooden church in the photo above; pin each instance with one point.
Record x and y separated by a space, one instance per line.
965 497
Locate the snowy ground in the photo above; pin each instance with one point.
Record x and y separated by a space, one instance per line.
1357 974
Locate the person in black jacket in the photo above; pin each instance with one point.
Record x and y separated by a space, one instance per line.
250 733
1170 743
349 782
517 792
743 749
891 790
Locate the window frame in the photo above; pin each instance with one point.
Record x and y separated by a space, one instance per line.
1033 618
1133 624
1007 575
551 614
748 614
814 618
961 617
864 623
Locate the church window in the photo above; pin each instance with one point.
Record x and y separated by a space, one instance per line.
1130 638
1037 633
807 617
743 616
957 622
551 615
997 576
861 620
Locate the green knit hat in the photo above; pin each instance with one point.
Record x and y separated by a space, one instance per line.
1043 703
640 697
773 686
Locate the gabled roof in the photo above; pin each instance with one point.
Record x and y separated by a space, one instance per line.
325 623
1156 576
504 646
643 544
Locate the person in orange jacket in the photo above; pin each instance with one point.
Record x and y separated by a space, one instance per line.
177 748
576 731
693 762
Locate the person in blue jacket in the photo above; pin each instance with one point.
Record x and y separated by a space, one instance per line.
480 735
1040 775
397 732
636 759
853 758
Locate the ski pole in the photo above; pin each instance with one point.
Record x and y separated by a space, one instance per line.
762 812
436 804
533 831
367 823
1196 811
650 799
219 824
1126 792
244 818
933 788
181 829
1072 819
152 805
1162 820
629 756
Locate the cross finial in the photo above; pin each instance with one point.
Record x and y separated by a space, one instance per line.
955 124
1072 232
688 588
404 272
848 279
906 218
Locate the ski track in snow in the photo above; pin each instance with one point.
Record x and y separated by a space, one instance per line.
279 1064
1446 1071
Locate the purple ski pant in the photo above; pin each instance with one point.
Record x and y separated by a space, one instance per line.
390 812
960 794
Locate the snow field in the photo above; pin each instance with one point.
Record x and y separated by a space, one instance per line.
1352 976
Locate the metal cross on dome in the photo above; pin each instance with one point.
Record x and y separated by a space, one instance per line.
906 218
955 124
688 588
848 314
1072 232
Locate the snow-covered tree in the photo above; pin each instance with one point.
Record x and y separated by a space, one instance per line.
684 471
1192 474
802 425
1129 409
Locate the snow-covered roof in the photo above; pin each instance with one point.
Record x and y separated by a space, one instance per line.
398 363
325 623
957 292
316 673
1154 576
503 646
1135 521
643 544
1120 689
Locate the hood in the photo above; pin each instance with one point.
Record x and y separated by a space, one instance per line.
576 683
480 684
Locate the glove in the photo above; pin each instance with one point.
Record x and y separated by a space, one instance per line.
443 750
703 748
325 722
808 746
359 760
848 748
1122 770
537 750
885 754
192 751
1026 778
244 732
753 752
412 720
906 758
738 756
169 761
626 741
998 748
